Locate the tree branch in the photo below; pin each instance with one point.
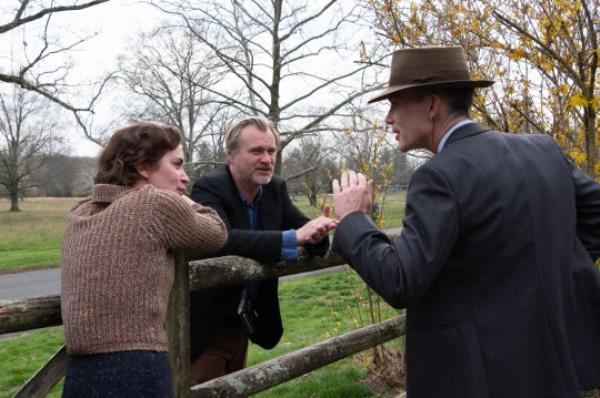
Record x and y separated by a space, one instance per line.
300 174
18 21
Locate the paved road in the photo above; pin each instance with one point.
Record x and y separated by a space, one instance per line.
30 284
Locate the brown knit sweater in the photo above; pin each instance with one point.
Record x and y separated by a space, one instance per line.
117 266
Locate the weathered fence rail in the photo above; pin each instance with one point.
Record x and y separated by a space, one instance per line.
233 270
21 315
27 314
289 366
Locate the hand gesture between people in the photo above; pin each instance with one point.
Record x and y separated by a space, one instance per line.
353 192
315 230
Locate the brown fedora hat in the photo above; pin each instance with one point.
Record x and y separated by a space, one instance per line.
428 67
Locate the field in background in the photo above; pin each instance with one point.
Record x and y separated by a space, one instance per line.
31 238
313 309
392 207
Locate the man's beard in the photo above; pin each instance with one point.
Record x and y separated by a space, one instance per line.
261 179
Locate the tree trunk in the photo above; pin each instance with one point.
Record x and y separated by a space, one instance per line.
591 146
274 109
14 200
312 199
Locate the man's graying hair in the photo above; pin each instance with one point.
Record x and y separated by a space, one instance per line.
232 137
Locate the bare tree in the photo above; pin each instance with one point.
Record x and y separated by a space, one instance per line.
171 72
286 60
41 69
211 151
64 176
309 167
26 134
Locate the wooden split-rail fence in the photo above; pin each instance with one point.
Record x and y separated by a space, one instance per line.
21 315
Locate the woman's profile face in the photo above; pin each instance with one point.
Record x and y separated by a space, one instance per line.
168 172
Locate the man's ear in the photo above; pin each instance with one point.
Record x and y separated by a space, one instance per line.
435 102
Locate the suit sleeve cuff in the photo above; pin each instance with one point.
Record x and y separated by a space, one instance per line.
289 250
348 230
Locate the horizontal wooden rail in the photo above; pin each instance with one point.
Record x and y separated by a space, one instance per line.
26 314
278 370
234 270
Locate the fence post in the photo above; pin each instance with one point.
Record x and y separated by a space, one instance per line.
178 328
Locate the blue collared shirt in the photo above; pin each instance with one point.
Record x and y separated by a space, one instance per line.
450 131
289 251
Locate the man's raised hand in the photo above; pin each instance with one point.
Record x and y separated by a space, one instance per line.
351 193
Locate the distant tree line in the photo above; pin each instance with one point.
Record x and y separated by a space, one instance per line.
307 173
55 176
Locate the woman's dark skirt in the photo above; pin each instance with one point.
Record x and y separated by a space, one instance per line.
128 374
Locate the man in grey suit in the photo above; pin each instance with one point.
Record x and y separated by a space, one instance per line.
495 263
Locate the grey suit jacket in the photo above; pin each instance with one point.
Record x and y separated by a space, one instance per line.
495 265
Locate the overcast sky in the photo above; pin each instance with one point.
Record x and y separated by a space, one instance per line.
116 23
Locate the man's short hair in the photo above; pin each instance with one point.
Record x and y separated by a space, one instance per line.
232 137
458 99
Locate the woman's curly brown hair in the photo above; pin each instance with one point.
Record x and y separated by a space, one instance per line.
141 144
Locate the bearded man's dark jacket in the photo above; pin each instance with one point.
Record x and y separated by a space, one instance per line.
212 309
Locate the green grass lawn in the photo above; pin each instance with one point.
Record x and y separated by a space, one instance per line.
21 356
31 238
313 309
392 207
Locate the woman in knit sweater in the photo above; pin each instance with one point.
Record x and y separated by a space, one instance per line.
117 264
